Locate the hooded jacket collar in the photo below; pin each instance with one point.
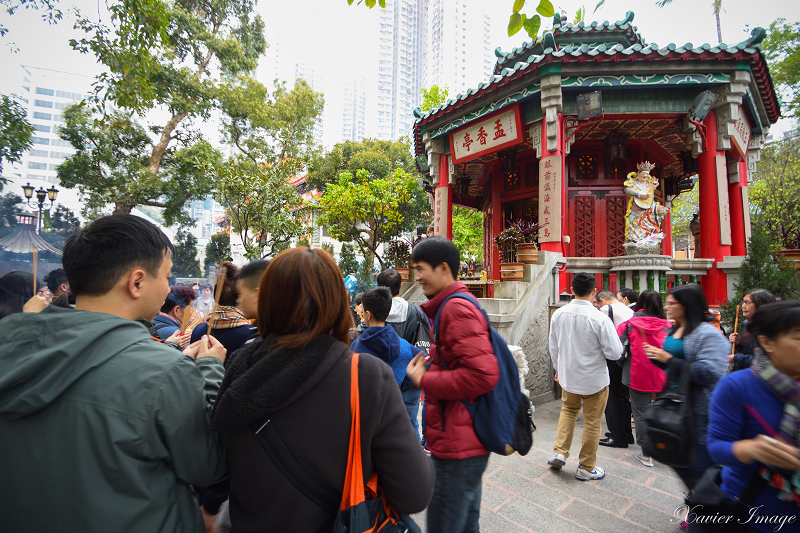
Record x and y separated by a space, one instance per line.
263 379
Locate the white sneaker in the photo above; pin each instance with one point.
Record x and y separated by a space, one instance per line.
645 460
557 461
583 475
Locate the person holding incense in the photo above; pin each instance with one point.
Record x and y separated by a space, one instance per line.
754 420
744 343
17 294
168 320
227 323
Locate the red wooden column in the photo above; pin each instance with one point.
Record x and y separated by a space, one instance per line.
497 219
443 202
711 163
666 227
738 230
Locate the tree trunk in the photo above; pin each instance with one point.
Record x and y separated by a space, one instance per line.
717 9
123 208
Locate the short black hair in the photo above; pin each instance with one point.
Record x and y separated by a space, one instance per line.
630 294
605 294
357 299
390 278
55 279
16 288
650 304
251 273
775 319
105 250
378 302
438 250
583 284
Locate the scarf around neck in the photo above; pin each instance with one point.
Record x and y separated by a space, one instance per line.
227 317
786 389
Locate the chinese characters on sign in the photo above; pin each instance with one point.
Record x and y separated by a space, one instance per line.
491 134
724 202
742 133
550 198
440 211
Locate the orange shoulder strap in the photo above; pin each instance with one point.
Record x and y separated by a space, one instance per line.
353 492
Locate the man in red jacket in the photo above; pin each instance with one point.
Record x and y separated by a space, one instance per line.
464 342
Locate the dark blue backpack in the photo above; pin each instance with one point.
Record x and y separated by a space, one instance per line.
502 417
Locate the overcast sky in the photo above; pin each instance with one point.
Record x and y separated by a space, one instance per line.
340 40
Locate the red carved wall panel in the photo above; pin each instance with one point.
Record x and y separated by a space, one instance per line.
585 223
616 206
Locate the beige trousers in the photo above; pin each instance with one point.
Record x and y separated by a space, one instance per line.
594 405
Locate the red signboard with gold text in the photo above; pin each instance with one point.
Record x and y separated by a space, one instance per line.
492 133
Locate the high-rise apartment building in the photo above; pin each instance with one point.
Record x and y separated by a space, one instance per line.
426 42
398 54
455 44
354 115
317 82
45 93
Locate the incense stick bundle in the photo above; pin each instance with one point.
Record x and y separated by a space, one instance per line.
35 267
735 327
217 294
189 313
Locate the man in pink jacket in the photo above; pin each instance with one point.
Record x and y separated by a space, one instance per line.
464 343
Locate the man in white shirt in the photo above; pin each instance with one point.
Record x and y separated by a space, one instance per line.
581 340
618 407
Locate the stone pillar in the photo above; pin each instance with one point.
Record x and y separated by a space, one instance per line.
715 235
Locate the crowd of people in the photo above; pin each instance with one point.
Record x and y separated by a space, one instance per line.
143 407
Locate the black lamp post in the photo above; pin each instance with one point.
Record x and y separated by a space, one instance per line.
41 196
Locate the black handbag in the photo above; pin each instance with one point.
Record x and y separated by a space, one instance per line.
708 499
669 421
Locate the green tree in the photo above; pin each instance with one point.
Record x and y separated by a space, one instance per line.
683 209
348 263
433 96
782 50
110 165
367 212
761 270
775 190
61 224
262 206
380 159
15 132
10 205
218 250
208 48
184 261
468 233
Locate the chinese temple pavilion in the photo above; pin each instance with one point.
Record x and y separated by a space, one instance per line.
552 135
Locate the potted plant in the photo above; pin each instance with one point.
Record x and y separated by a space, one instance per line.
507 242
527 251
398 255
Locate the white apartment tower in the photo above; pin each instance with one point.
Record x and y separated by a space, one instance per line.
354 116
317 82
456 44
45 93
426 42
398 56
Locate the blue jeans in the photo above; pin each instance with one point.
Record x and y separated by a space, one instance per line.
411 398
456 503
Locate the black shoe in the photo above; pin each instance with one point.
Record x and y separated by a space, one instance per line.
611 443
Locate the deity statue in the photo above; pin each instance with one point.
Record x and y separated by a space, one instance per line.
643 218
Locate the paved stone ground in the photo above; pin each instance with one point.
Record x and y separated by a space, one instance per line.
521 494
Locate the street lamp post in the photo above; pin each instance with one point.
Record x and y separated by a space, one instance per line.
41 196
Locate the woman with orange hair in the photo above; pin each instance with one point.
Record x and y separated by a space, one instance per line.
296 379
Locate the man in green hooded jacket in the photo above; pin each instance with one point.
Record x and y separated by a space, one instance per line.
101 428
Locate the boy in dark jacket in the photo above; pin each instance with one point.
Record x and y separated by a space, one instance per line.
464 342
384 343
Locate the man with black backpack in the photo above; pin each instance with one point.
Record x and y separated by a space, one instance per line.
581 339
464 346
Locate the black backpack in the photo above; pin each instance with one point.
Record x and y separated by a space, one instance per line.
670 425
